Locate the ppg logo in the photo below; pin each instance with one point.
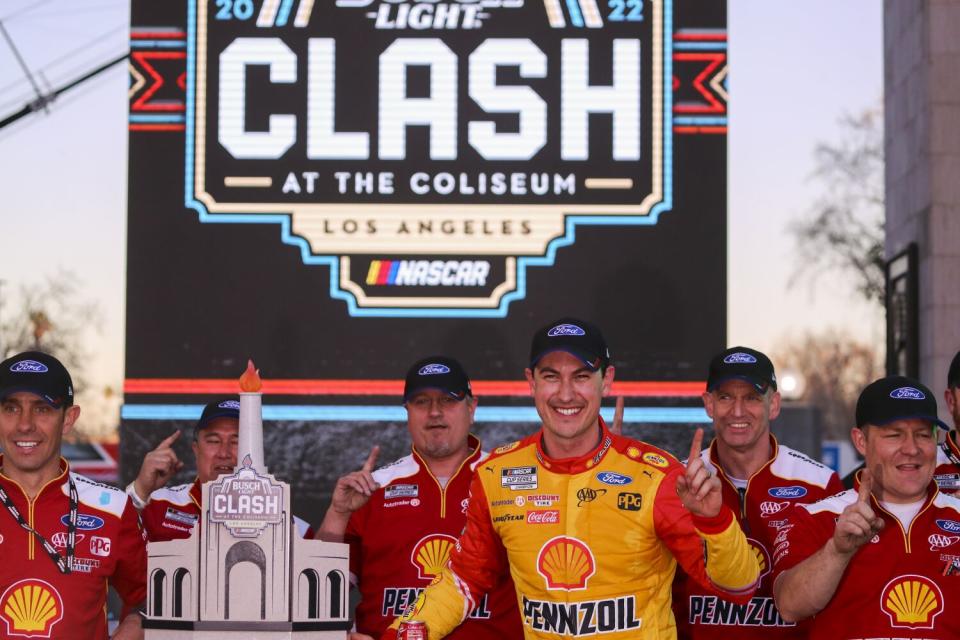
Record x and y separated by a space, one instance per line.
566 330
907 393
229 404
433 370
739 358
950 526
629 501
787 492
29 366
100 546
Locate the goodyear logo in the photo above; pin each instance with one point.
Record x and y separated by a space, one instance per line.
493 128
566 564
430 554
912 602
31 608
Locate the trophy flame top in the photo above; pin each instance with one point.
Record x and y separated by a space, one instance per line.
250 380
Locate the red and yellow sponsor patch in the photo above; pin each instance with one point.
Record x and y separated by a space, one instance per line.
30 608
912 601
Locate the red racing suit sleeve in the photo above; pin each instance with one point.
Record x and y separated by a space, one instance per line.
712 551
129 579
353 536
801 536
477 562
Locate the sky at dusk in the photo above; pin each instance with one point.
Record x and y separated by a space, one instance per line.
795 70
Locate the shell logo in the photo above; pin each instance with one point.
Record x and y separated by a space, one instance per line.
763 558
912 601
566 564
31 608
430 554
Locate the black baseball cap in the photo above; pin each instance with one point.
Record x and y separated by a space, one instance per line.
437 372
39 373
953 374
896 398
228 407
574 336
742 363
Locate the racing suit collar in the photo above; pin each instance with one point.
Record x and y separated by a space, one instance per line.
950 446
54 482
714 460
932 492
579 464
473 444
196 492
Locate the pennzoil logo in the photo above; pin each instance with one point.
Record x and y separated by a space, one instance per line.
912 602
566 564
494 128
431 553
30 608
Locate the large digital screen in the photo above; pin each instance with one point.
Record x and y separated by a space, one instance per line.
337 189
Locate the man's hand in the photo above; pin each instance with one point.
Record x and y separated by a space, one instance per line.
158 467
858 523
129 629
354 489
616 427
699 490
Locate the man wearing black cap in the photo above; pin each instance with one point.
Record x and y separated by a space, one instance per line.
760 478
880 560
170 513
63 536
948 457
402 520
590 525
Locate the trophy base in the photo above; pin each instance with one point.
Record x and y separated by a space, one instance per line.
165 629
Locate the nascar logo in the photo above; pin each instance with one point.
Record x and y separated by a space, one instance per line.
428 273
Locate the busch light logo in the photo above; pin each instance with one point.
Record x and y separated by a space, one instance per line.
740 358
29 366
950 526
84 521
229 404
787 492
907 393
615 479
566 330
433 370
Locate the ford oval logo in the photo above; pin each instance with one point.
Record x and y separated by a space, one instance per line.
433 370
950 526
566 330
229 404
85 521
739 358
787 492
29 366
907 393
615 479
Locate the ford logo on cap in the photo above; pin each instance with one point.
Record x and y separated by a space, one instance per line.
907 393
615 479
787 492
950 526
739 358
433 370
84 521
566 330
229 404
29 366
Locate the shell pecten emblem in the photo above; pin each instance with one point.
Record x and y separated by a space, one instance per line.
566 564
30 608
763 558
912 601
431 553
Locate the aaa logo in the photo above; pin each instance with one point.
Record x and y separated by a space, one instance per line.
912 601
566 564
430 555
31 608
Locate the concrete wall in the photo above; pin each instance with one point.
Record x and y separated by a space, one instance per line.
922 103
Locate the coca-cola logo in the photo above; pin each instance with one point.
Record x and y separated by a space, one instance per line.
543 516
769 508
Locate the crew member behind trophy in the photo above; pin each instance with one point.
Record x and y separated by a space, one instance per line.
878 561
947 474
170 513
402 520
759 478
590 525
63 536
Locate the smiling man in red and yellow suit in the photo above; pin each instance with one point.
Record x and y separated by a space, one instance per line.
589 524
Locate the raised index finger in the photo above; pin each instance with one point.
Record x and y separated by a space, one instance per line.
169 440
866 486
696 445
371 459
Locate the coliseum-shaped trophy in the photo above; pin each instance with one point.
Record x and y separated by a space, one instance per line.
244 572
